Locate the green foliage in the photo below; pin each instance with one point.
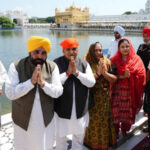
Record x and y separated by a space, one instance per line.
32 20
13 24
129 13
6 22
42 20
50 19
15 21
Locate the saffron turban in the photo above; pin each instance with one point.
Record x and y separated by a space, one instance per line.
120 30
69 43
35 42
147 31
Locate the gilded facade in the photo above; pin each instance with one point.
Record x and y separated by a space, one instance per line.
71 15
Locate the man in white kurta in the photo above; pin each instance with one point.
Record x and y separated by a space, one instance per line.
38 136
3 77
118 34
74 125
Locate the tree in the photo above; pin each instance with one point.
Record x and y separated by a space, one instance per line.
32 20
129 13
42 20
15 21
50 19
6 22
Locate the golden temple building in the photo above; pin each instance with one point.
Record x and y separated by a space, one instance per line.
72 15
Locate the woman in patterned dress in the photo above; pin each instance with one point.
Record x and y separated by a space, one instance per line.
100 134
127 92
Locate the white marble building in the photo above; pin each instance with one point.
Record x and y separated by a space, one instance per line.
143 15
134 17
19 15
1 13
147 7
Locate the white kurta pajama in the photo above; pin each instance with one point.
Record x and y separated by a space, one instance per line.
37 137
74 126
113 47
114 43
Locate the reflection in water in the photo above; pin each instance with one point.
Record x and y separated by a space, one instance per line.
12 33
78 34
13 45
6 33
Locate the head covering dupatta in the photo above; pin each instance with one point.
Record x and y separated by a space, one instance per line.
136 81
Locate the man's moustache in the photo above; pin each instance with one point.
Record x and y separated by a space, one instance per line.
38 61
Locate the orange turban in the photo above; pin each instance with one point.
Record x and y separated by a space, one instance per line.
69 43
147 31
35 42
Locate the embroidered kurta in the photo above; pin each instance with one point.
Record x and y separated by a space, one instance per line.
37 137
74 125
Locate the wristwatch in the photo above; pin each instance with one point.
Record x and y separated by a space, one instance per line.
75 74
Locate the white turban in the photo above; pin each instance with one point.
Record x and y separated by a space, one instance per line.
120 30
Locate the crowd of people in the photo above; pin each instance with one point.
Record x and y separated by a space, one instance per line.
93 98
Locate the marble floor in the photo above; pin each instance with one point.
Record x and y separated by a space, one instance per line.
6 137
129 144
6 134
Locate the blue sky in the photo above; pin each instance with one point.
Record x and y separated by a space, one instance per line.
44 8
